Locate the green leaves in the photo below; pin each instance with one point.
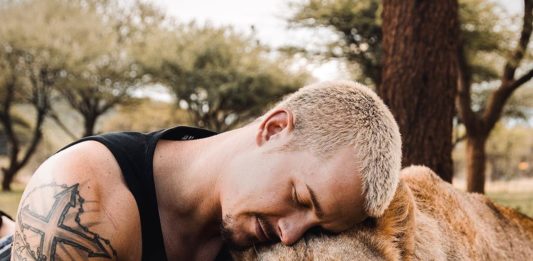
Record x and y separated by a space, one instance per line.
357 26
223 78
357 23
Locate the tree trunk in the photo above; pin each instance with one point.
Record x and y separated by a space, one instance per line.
475 163
12 139
419 78
89 122
15 162
9 175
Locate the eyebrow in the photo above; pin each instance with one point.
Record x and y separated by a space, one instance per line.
318 209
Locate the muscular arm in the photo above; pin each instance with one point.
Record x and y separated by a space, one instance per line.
66 214
53 222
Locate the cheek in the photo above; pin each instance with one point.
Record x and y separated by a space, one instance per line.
254 186
260 194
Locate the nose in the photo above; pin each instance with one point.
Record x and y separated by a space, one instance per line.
293 227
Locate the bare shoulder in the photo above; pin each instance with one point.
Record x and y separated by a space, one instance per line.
77 207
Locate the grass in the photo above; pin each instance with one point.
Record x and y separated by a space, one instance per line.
515 193
521 201
9 201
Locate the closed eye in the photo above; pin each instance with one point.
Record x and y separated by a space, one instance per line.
296 199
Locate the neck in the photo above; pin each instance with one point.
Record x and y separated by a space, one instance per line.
187 175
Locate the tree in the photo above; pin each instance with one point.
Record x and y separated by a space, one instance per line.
419 78
479 124
23 72
78 49
357 25
221 77
32 57
94 88
102 72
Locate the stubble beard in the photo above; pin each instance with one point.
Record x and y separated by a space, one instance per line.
228 235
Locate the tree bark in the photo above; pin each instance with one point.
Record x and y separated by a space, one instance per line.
419 78
12 139
8 179
475 163
41 84
16 161
89 122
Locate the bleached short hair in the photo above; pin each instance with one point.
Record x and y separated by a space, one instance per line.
335 114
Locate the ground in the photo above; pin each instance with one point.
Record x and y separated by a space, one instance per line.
9 201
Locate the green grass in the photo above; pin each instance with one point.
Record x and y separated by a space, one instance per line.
521 201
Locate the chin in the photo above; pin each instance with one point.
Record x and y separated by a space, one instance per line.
233 237
236 241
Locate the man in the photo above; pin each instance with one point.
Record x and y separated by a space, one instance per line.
327 156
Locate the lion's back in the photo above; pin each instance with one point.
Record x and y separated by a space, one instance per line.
470 225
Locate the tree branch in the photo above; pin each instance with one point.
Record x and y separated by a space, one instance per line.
518 54
61 125
463 102
36 137
520 81
499 97
458 140
7 122
117 99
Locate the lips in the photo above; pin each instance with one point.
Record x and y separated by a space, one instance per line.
260 231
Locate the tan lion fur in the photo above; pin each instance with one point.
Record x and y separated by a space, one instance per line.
427 220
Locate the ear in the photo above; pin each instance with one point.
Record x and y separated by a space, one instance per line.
275 123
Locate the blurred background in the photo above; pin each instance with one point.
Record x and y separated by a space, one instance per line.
455 74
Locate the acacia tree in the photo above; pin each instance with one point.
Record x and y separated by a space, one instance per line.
101 72
357 27
28 79
479 124
33 56
221 77
94 95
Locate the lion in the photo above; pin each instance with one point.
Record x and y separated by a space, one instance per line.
427 220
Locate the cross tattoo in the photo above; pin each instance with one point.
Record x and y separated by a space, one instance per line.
53 231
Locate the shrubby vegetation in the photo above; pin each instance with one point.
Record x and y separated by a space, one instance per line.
220 76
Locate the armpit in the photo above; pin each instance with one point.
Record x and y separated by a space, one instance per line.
55 222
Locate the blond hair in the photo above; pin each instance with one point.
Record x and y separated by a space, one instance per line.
331 115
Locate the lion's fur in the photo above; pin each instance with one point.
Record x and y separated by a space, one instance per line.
427 220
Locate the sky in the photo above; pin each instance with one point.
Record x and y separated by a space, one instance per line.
267 16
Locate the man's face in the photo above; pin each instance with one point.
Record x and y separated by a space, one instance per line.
278 196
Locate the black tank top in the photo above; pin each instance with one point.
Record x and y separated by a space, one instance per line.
134 153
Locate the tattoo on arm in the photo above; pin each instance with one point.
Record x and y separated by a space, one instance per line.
54 229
